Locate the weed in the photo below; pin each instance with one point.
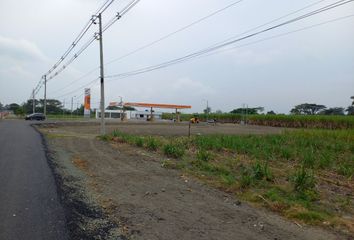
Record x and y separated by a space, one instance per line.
139 142
173 150
261 171
303 180
105 138
246 177
152 143
203 155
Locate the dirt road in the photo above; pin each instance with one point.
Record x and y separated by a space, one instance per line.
142 200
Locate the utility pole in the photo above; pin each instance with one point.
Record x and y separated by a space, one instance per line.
63 107
33 104
103 127
45 95
72 99
207 111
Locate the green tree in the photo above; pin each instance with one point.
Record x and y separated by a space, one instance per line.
13 107
207 110
251 111
350 110
307 109
333 111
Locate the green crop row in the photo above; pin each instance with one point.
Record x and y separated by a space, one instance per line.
289 121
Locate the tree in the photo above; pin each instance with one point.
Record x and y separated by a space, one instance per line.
350 110
218 111
13 107
250 111
271 113
307 109
333 111
1 106
207 110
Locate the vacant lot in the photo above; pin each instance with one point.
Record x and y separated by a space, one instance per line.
138 197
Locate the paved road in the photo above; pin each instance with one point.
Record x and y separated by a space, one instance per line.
29 205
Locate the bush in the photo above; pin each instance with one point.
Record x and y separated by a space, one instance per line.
173 150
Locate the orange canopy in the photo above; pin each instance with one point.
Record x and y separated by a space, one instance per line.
156 105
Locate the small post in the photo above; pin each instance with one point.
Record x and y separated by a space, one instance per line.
189 129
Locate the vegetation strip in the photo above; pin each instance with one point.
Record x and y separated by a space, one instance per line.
305 175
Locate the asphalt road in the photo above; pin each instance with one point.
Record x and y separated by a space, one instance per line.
29 204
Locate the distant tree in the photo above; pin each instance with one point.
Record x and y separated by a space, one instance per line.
1 106
207 110
271 113
307 109
350 110
333 111
251 111
13 107
218 111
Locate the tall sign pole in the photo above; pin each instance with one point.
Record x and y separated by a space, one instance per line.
103 127
45 95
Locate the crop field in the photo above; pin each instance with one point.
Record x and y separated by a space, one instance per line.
289 121
305 175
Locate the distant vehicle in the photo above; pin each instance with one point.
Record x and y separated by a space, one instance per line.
194 120
35 116
211 121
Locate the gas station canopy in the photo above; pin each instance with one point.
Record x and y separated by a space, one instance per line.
156 105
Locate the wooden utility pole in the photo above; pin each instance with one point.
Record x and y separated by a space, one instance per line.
45 96
33 103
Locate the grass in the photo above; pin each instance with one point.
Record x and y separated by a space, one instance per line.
304 175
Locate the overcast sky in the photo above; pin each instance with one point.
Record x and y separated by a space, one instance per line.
315 65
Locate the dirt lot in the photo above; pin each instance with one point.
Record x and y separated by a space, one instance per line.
116 191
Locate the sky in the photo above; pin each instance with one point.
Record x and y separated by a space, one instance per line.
315 65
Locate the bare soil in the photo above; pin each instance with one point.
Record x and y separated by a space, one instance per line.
139 199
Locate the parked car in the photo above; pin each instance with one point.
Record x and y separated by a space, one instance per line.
35 116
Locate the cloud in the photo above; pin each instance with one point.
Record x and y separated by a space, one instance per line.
20 50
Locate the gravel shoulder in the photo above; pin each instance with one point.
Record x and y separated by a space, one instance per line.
123 192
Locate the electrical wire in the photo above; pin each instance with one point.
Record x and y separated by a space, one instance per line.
85 29
196 22
213 48
155 41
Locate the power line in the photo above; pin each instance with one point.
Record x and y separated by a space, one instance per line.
75 42
159 39
194 23
94 37
213 48
79 88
